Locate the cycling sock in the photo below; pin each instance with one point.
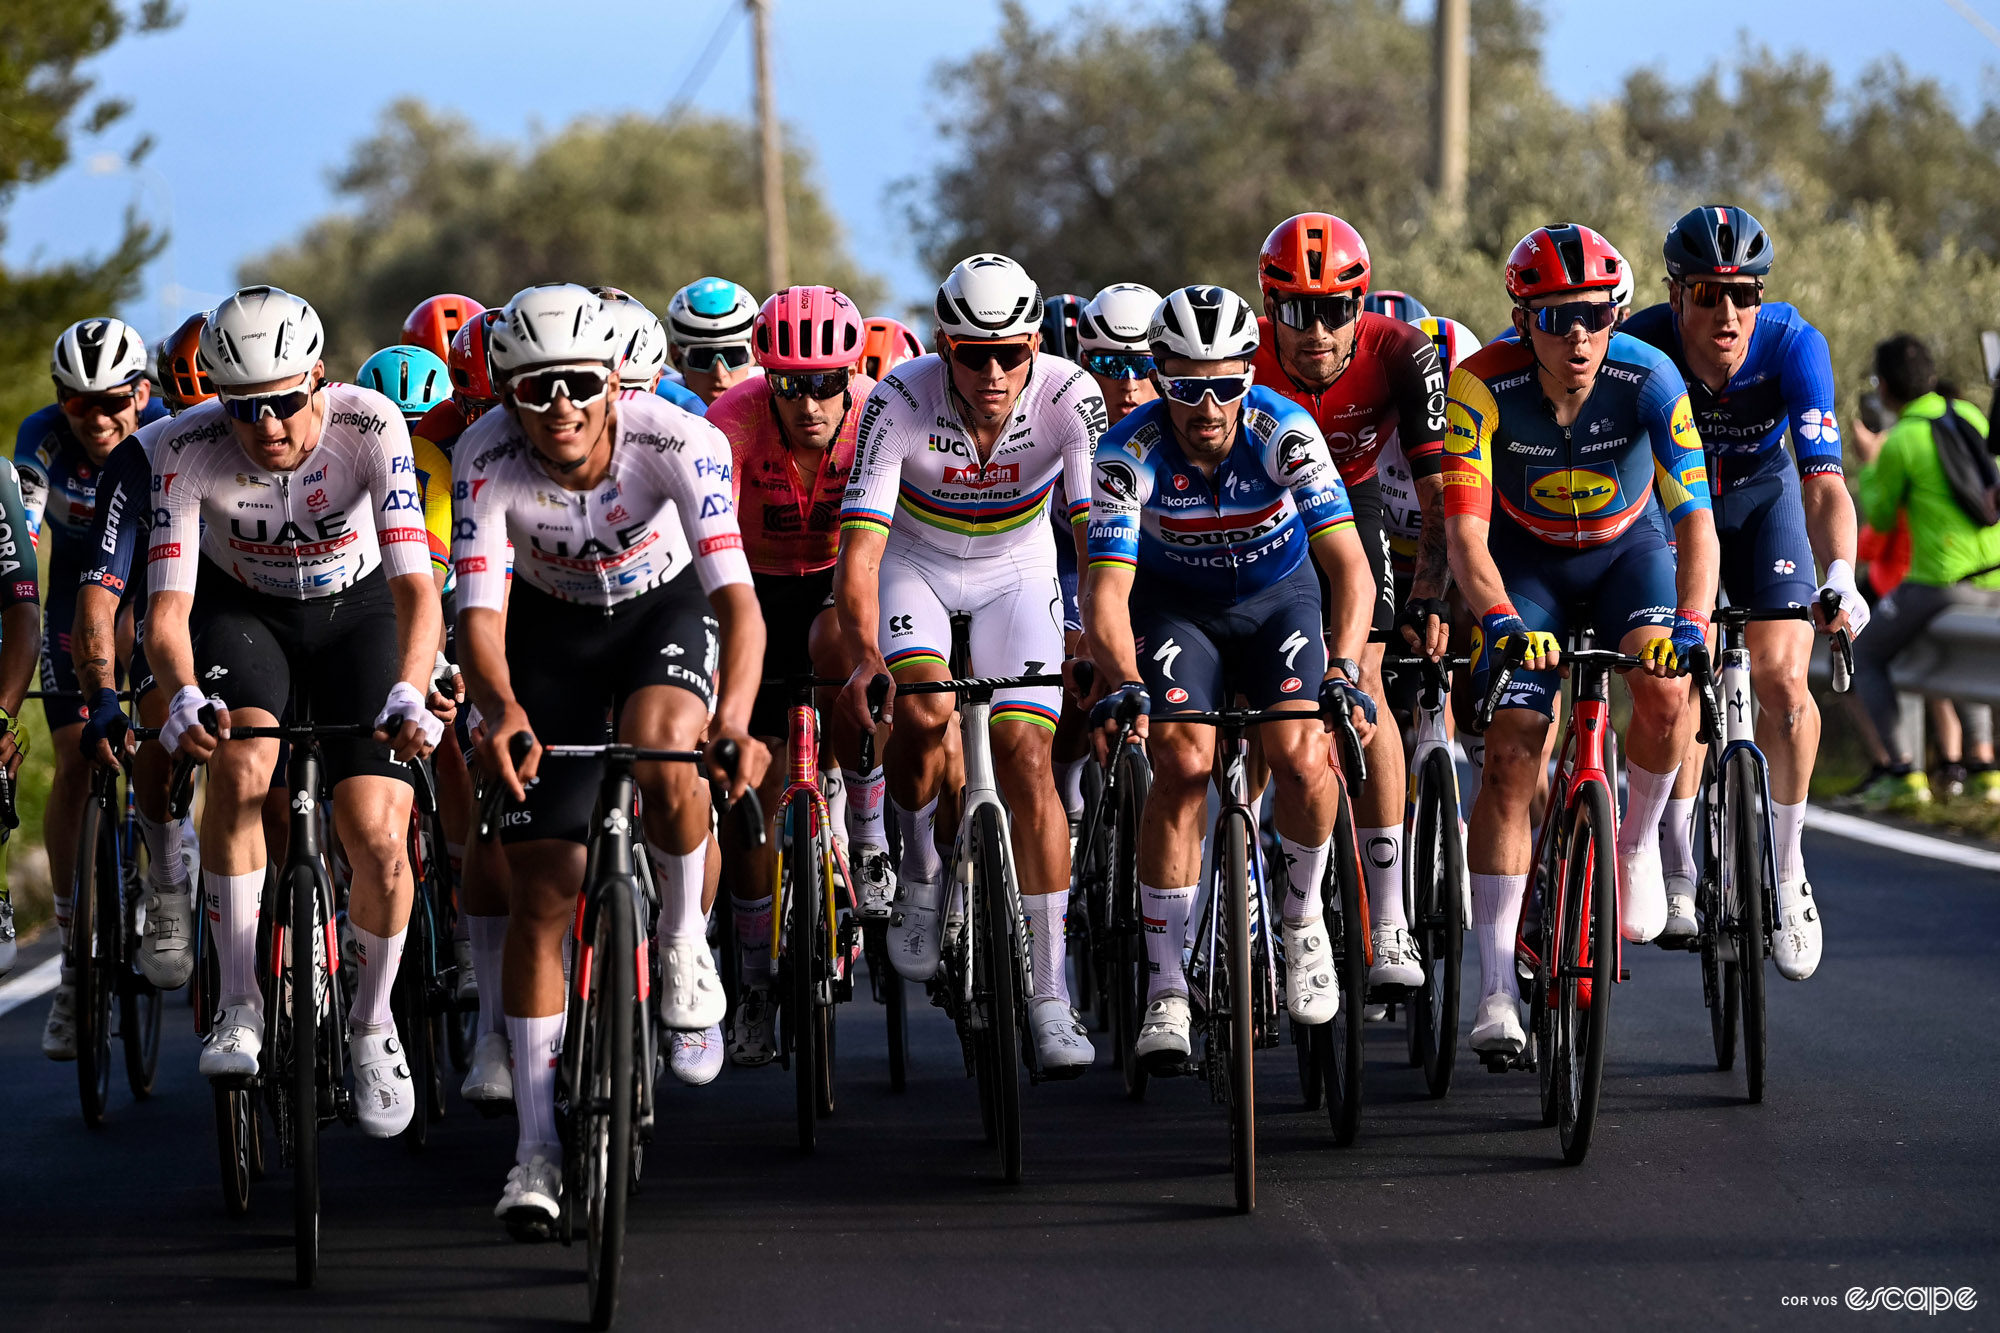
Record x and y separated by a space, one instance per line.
833 786
1677 837
379 956
1069 781
536 1042
1646 795
489 951
1385 882
1474 772
864 807
753 939
1788 825
1305 868
920 856
163 853
680 877
1048 913
232 902
1496 919
1164 913
63 903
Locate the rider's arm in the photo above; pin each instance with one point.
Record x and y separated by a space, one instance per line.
1417 382
1328 515
1806 378
116 531
405 546
865 514
708 519
1467 485
32 474
1079 455
1680 473
1121 483
1341 555
1107 621
20 609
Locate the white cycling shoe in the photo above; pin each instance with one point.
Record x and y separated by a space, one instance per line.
1642 894
234 1044
1312 991
914 930
696 1057
489 1075
875 890
691 997
1397 961
1681 923
1164 1034
1497 1029
1061 1046
166 952
531 1203
385 1098
751 1039
59 1034
1795 944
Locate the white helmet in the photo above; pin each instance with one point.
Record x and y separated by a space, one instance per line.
1621 295
989 296
97 354
642 341
259 335
711 312
553 322
1117 319
1203 324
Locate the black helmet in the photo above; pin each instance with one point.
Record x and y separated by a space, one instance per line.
1713 239
1059 333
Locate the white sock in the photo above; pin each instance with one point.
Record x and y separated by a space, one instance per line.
753 939
833 787
920 857
379 956
1164 914
1677 837
163 854
1646 795
1305 868
537 1042
864 807
1385 882
1069 781
61 894
1788 824
680 877
488 935
1048 914
1474 774
1496 920
232 903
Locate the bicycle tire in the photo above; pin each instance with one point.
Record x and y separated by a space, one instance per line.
1134 971
1588 913
1438 866
1242 1050
91 965
998 960
803 896
826 950
235 1132
410 1008
1340 1046
302 975
1090 944
1312 1082
1750 853
609 1054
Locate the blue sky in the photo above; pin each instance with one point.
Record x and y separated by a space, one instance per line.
254 102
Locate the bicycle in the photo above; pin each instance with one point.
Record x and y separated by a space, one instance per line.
884 982
1106 890
422 998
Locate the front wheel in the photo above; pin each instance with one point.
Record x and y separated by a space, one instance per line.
996 974
803 944
93 929
235 1146
305 983
611 1040
1338 1044
1241 1027
1438 868
1585 965
1749 865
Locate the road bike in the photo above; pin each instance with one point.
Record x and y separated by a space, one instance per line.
423 998
1105 892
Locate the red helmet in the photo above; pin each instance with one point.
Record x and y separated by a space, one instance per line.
807 329
183 379
888 344
1564 257
471 376
1313 254
435 322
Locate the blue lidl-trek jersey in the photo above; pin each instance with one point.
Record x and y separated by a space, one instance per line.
59 482
1215 540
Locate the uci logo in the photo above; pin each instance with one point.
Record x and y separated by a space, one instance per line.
1573 490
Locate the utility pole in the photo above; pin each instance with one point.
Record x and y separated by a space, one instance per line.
1452 38
776 261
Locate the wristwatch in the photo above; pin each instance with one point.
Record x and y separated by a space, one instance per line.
1347 667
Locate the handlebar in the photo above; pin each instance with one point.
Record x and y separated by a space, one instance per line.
1842 666
1510 661
1704 692
878 695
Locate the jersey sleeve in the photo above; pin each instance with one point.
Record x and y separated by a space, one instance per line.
1121 483
399 509
434 486
32 472
18 582
1471 416
1417 385
885 435
174 544
1296 457
1807 380
124 503
1680 471
479 537
698 478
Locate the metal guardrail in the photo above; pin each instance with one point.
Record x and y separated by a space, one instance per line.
1957 657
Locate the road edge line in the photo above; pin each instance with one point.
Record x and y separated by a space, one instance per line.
1888 836
37 981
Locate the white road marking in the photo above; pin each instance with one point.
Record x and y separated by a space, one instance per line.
36 981
1900 839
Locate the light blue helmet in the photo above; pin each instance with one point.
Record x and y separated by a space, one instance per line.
410 377
709 313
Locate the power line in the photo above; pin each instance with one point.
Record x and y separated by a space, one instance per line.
697 73
1973 16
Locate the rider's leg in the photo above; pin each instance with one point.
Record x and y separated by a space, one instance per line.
1787 729
371 813
545 874
1022 766
1499 851
675 804
1170 836
1378 806
63 816
1663 721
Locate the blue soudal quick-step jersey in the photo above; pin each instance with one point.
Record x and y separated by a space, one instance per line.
1223 540
1787 376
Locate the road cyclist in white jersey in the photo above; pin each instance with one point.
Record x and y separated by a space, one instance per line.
957 455
630 598
288 564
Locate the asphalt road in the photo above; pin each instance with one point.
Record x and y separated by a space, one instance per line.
1871 1163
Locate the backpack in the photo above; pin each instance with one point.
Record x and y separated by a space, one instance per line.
1967 463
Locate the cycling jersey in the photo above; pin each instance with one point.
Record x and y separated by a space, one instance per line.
680 395
665 505
1393 384
431 442
58 480
124 515
1223 540
18 581
1786 376
349 508
786 530
915 457
1579 485
1402 515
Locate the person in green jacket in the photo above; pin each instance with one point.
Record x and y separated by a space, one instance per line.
1954 561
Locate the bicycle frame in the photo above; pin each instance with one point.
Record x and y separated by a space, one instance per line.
802 779
1234 744
1431 736
1738 710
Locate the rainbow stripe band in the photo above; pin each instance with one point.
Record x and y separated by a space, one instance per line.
1331 526
910 657
1114 562
1019 710
976 519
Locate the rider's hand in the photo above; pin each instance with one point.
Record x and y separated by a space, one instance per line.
13 744
1854 611
753 757
104 728
1337 695
1426 626
1503 626
417 731
184 733
444 703
854 695
493 753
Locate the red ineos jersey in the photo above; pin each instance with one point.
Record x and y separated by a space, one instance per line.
351 507
1393 387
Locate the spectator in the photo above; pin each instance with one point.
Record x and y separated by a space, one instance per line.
1953 560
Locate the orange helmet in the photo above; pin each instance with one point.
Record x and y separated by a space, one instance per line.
888 344
435 322
183 379
1313 254
471 375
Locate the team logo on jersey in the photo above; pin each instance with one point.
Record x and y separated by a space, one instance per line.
1819 427
1180 482
1117 480
1782 566
1177 695
1573 490
993 474
1294 452
1681 423
1291 685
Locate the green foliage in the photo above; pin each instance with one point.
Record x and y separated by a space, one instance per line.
636 203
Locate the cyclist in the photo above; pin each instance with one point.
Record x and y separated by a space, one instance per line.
20 640
1395 305
888 344
1060 315
629 595
791 437
436 320
644 368
1753 367
1364 377
102 396
965 445
1559 444
1204 506
708 335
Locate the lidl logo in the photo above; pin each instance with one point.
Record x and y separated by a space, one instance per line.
1681 422
1573 490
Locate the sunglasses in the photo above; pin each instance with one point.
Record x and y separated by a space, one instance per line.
1708 295
1336 312
1118 365
979 355
1595 316
817 384
1190 390
536 390
83 404
704 359
283 404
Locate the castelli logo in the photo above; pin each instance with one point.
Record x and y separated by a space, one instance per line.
1291 685
1180 482
1177 695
